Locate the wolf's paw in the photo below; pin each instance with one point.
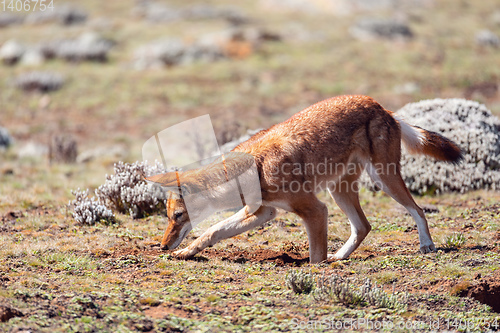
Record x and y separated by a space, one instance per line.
184 253
427 248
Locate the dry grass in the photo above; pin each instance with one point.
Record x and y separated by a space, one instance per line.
67 277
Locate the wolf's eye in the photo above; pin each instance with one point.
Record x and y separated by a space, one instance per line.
177 215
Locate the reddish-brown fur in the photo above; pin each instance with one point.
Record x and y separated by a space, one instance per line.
342 132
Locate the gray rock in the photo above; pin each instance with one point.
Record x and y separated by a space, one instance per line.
32 57
160 13
39 81
11 51
88 47
487 38
207 48
62 14
32 150
372 28
8 19
5 138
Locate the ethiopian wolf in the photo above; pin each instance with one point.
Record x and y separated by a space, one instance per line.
325 146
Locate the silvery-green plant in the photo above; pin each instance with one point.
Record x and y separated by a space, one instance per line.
334 288
125 191
473 127
476 131
300 282
89 210
455 240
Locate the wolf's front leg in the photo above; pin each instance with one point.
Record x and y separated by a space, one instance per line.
238 223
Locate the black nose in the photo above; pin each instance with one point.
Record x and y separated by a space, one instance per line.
163 247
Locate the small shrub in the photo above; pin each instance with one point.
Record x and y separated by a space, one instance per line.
88 210
343 291
473 127
125 191
456 240
337 289
63 149
39 81
300 282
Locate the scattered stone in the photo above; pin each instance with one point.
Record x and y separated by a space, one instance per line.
158 54
63 149
39 81
11 52
341 7
373 28
32 150
487 38
160 13
32 57
231 43
62 14
88 47
5 138
8 19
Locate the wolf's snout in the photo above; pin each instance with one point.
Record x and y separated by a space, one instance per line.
163 247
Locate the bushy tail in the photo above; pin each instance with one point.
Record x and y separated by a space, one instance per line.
420 141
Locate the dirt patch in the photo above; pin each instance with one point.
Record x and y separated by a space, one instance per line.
126 251
163 312
486 291
280 258
7 313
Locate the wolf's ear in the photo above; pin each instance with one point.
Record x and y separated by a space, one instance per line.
168 179
185 190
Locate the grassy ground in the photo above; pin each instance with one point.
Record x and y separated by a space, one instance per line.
66 277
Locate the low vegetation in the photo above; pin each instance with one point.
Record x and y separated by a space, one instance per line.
102 271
